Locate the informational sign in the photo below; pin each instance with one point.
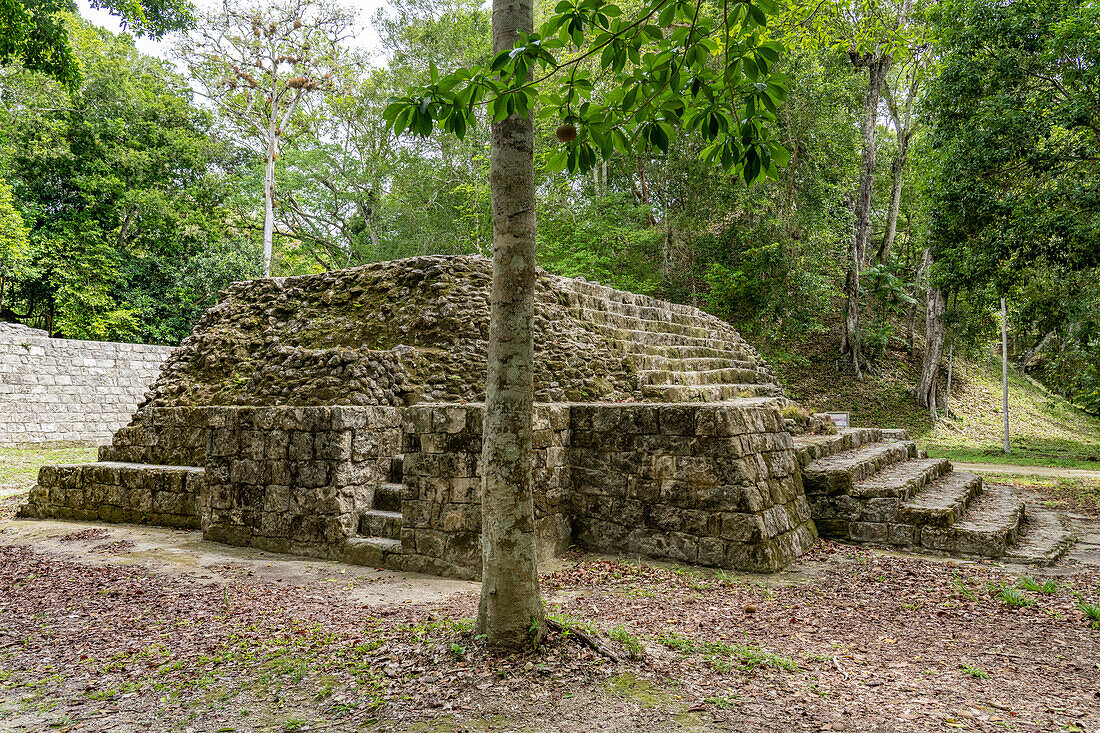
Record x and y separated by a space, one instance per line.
840 418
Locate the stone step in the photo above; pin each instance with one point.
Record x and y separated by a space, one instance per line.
620 320
387 497
380 523
115 491
990 525
729 375
634 349
809 448
839 473
1042 540
397 470
661 338
709 392
650 362
597 298
901 480
943 502
371 551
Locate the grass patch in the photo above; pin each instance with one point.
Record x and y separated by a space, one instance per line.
1092 613
976 672
1010 596
20 465
1047 587
725 657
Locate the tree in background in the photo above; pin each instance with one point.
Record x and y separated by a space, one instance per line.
126 235
1016 125
34 34
14 250
875 35
259 65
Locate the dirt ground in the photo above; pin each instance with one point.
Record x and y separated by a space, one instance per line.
121 628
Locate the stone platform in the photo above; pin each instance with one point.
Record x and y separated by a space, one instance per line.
706 484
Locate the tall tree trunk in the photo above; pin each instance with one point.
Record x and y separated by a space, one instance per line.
935 330
511 604
269 195
876 73
950 368
1034 350
903 124
897 172
1004 370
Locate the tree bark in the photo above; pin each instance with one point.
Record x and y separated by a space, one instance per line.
511 603
903 124
935 330
1004 370
877 66
1034 350
950 367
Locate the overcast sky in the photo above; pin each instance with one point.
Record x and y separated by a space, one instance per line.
366 39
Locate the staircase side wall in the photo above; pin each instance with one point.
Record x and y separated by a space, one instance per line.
441 523
707 484
295 479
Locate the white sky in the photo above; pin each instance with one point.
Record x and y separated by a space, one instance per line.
366 38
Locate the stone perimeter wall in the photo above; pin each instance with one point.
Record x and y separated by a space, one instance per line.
711 484
65 391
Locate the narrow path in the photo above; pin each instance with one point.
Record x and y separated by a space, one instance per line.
1028 470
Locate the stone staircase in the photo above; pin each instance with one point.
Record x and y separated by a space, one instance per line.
678 354
873 486
379 533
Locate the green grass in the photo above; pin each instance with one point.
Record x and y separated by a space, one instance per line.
1069 456
20 465
1045 429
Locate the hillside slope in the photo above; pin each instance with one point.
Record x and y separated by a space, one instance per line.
1043 426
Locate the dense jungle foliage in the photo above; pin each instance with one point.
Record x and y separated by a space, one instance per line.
960 137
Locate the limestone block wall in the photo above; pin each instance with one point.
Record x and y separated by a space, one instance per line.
118 492
441 507
294 479
712 485
60 390
708 484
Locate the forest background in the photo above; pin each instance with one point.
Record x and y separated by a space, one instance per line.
941 156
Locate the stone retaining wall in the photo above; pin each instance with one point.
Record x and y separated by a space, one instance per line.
441 529
711 484
294 479
118 492
65 391
707 484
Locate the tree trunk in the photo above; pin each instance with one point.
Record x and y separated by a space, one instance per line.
950 366
1004 370
1034 350
850 346
511 604
935 330
897 171
876 74
269 202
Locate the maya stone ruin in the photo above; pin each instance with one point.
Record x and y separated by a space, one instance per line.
338 416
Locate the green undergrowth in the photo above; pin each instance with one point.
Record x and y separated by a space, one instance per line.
1045 429
20 465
